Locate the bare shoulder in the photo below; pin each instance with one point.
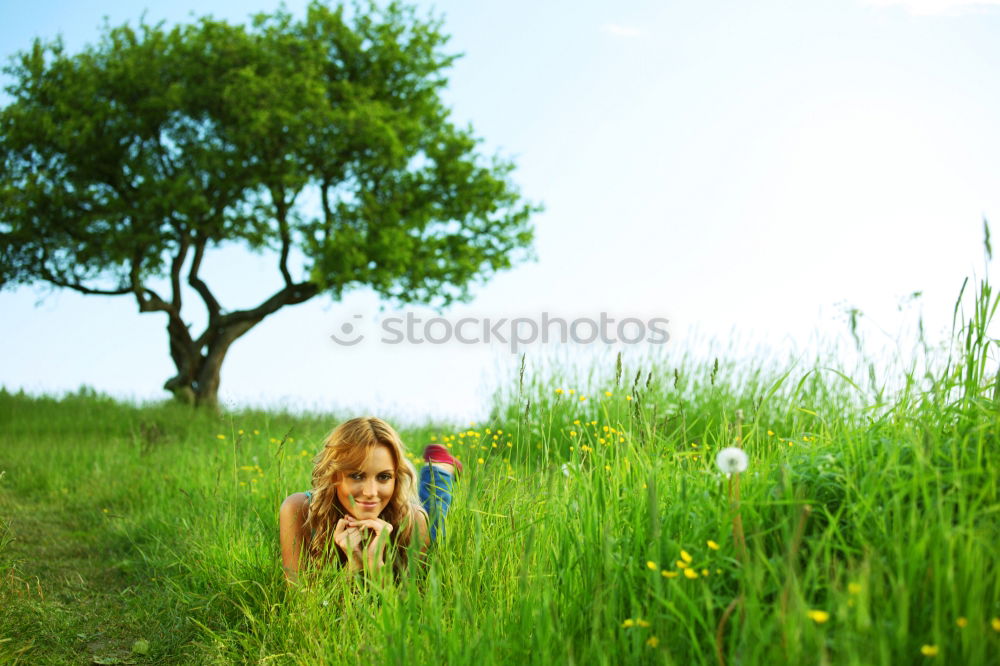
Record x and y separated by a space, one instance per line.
294 507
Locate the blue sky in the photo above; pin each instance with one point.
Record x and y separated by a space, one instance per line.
747 170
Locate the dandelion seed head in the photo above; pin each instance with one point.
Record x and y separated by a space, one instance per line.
731 460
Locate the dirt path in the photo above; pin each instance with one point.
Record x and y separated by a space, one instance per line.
63 598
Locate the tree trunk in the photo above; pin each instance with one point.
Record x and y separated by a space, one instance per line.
198 372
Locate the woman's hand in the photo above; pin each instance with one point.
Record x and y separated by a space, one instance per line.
349 539
375 534
363 541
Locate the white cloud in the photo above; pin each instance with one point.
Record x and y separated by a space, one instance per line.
936 7
622 30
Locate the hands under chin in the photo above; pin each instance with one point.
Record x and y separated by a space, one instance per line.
362 541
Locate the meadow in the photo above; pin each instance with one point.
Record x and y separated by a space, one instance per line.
591 526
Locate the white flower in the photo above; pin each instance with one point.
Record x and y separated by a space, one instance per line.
565 469
731 460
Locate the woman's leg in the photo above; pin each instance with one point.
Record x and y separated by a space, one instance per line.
435 495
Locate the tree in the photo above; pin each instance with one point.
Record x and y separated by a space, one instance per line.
323 139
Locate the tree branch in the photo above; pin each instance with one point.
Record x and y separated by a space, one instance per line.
59 282
206 295
290 295
148 300
176 265
281 210
327 211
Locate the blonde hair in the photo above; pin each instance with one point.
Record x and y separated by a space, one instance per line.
346 448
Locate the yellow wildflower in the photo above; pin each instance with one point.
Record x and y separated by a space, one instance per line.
607 393
628 397
651 565
962 622
681 564
240 431
582 398
256 432
628 623
221 436
854 588
712 545
690 573
642 623
929 650
770 433
686 556
481 461
995 623
704 572
669 574
818 616
652 641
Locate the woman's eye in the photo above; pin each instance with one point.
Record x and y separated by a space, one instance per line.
385 477
357 476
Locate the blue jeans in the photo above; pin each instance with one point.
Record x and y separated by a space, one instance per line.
435 496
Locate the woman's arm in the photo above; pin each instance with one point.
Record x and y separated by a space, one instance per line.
292 534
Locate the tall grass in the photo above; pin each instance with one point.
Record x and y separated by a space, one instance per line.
594 530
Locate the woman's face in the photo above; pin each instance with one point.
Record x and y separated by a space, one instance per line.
365 492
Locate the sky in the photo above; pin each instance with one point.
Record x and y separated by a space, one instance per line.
746 170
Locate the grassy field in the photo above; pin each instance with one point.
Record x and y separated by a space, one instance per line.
592 526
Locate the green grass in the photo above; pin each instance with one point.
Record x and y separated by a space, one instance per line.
123 522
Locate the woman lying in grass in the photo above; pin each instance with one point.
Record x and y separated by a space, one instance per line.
363 509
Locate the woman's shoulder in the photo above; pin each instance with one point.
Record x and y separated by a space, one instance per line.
296 504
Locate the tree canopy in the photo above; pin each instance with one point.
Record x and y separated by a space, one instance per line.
323 138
